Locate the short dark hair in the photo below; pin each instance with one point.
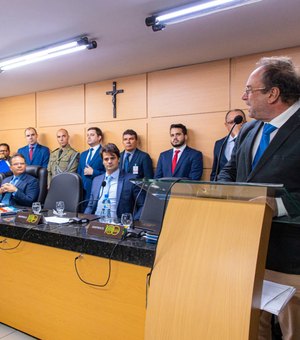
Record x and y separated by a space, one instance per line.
14 156
236 110
98 131
280 72
6 145
179 126
110 148
131 133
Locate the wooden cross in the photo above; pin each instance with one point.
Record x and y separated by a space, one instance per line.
114 93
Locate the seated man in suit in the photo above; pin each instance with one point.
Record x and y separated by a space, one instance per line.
34 153
225 157
124 195
181 161
4 161
133 160
90 161
21 188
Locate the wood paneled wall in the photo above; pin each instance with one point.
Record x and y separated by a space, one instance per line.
195 95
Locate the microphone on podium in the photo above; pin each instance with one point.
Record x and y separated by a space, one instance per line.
237 120
85 220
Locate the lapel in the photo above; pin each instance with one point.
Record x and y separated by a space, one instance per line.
120 187
281 136
35 154
168 163
134 158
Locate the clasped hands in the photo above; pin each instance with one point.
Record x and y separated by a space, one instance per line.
7 187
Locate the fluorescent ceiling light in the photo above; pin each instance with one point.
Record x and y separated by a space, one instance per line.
47 53
191 11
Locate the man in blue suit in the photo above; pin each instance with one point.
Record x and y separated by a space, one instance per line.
115 184
181 161
90 162
34 153
227 150
21 188
133 160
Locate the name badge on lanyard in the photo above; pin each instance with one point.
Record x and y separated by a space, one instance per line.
135 169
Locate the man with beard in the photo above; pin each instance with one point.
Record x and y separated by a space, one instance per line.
181 161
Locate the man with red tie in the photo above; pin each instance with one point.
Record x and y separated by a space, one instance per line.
181 161
34 153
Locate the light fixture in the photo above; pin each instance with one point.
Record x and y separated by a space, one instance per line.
47 52
191 11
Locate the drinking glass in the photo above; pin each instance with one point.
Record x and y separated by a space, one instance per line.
36 207
126 220
60 207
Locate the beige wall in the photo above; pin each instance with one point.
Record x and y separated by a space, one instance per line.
195 95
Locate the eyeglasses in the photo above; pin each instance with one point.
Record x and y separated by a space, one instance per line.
16 164
249 89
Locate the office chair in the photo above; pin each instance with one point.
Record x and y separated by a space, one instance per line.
41 174
66 187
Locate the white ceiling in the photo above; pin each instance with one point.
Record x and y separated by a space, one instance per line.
125 45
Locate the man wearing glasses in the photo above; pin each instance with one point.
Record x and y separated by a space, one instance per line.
268 151
4 160
21 188
225 157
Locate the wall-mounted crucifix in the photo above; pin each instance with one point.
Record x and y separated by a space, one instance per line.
114 93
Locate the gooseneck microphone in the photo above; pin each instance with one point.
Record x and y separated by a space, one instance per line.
237 120
84 220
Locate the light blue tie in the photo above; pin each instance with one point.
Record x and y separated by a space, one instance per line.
264 142
126 162
108 181
89 156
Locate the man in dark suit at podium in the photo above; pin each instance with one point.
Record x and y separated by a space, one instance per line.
267 150
181 161
225 157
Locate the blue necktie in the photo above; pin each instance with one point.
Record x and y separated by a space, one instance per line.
264 142
89 156
126 162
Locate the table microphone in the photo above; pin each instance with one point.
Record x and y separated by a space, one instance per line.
85 220
237 120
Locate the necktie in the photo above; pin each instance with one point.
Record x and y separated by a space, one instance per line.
264 142
60 152
174 160
108 181
30 152
89 156
126 162
7 195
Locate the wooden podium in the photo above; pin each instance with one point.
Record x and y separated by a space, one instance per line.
207 277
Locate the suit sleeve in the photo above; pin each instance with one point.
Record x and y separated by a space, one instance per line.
213 170
28 195
147 167
45 159
197 166
159 171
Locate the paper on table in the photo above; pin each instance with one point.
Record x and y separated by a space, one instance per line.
275 296
55 219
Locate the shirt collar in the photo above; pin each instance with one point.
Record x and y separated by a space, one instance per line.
114 175
284 116
181 148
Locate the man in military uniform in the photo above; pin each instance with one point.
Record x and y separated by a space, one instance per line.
64 158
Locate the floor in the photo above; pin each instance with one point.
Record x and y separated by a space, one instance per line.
8 333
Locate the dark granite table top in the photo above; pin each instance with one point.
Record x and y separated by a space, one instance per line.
74 237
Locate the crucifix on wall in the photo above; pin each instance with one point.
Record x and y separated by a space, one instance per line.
114 93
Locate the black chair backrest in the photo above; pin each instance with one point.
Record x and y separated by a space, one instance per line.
66 187
41 174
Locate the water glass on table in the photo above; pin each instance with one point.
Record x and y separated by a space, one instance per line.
36 207
126 220
60 207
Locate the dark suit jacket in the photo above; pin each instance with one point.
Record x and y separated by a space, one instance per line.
127 195
279 164
28 190
142 160
40 156
223 160
190 165
97 164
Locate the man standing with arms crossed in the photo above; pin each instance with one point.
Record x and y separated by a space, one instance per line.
267 150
